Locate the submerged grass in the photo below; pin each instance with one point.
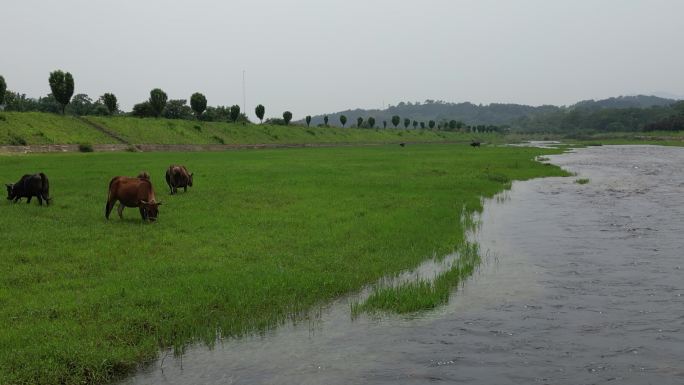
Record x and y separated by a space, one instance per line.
582 181
261 237
423 294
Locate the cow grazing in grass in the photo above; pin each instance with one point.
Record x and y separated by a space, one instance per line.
475 143
132 192
30 186
178 176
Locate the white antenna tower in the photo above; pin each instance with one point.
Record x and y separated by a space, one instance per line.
244 92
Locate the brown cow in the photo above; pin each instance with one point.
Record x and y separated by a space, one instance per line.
132 192
178 176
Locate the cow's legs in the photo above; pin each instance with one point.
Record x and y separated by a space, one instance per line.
120 210
40 200
46 198
185 189
29 199
17 199
109 207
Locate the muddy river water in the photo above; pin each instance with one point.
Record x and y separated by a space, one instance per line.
580 284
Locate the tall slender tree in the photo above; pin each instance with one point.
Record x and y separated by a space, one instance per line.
431 124
3 88
415 124
109 100
396 120
62 86
371 122
234 113
287 116
359 122
158 101
407 122
384 124
198 103
308 120
325 120
260 110
343 120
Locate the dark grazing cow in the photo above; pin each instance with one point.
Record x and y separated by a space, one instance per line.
178 176
475 143
30 186
132 192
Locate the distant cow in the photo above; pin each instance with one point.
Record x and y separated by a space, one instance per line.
402 144
29 186
475 143
132 192
178 176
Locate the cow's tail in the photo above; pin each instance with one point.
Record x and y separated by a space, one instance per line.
45 187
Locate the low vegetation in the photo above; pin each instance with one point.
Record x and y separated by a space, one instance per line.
260 238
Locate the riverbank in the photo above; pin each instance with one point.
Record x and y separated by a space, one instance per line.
261 238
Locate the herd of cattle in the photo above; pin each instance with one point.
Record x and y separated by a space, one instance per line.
129 192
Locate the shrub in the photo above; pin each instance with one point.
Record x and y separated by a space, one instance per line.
85 147
16 140
218 139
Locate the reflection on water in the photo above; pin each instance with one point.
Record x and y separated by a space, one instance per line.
586 288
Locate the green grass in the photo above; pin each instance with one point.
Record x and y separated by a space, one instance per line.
42 128
582 181
260 238
423 294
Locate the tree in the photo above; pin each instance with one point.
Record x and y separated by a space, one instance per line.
143 110
177 109
384 124
431 124
62 86
3 88
308 120
234 113
325 120
396 120
198 103
81 104
260 110
359 122
371 122
407 122
157 101
422 125
287 116
109 100
343 120
415 124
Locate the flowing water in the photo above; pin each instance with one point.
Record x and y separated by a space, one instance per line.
580 284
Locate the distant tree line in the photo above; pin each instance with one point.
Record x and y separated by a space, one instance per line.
629 113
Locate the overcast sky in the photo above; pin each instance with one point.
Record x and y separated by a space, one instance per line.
318 56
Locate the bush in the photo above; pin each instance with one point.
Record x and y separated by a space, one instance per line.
218 139
16 140
85 147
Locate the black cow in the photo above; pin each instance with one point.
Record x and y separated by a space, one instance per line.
475 143
29 186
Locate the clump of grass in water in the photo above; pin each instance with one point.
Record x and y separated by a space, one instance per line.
582 181
422 294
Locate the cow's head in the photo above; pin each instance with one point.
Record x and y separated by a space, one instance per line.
190 179
150 210
10 191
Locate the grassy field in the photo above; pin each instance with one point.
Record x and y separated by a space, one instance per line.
260 238
44 128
